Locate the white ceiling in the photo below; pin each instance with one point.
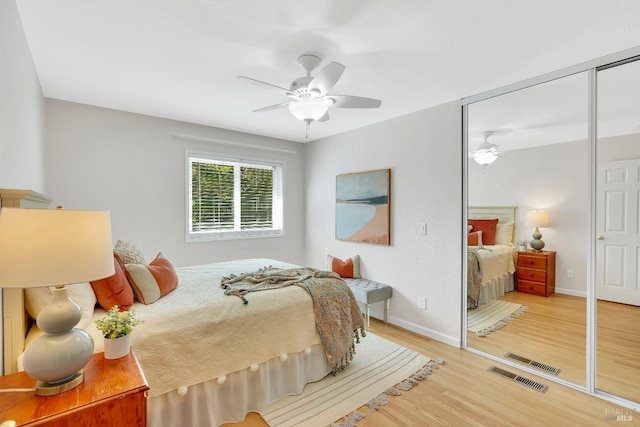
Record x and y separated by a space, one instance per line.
179 59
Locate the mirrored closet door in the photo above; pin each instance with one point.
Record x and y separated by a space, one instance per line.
557 159
617 263
539 136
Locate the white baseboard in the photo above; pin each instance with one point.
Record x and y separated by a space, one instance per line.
572 292
420 330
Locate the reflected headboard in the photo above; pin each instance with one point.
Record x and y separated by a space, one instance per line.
14 319
503 213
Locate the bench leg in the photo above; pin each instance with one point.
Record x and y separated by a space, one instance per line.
367 314
386 310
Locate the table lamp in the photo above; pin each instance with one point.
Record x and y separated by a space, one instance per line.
43 247
537 219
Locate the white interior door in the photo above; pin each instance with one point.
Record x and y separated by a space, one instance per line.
618 232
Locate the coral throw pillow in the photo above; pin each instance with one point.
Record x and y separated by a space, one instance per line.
153 281
114 290
349 268
475 238
488 228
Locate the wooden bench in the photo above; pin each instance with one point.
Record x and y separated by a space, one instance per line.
368 292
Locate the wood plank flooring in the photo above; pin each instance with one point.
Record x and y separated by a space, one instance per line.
552 331
462 393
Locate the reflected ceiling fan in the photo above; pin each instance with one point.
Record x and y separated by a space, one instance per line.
487 152
310 98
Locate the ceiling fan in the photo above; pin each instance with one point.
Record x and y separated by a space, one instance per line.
487 152
310 100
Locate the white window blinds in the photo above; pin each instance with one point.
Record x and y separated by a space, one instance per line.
230 198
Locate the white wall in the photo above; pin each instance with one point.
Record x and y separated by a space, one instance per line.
133 166
423 151
21 113
21 107
553 178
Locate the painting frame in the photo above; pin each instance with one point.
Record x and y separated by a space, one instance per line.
363 207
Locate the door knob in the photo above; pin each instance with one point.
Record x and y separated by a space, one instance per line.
600 237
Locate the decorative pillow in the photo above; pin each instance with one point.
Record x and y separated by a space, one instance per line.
80 293
488 228
349 268
474 238
128 253
153 281
114 290
469 228
504 233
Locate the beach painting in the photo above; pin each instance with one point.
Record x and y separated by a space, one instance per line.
363 207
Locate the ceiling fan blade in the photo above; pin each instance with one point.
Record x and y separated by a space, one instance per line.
348 101
272 107
266 85
324 118
326 78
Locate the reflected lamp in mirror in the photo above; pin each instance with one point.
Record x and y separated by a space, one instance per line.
42 247
537 219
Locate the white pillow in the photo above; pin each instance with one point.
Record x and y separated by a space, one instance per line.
504 233
81 293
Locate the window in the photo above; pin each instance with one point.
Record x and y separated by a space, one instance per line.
233 198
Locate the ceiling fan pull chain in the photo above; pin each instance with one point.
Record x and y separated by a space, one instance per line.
307 122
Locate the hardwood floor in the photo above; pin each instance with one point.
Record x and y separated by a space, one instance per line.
618 349
552 331
463 393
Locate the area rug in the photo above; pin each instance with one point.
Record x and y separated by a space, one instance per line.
379 366
492 316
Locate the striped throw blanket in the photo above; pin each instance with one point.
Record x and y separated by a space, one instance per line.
338 319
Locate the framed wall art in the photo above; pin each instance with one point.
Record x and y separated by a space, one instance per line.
363 207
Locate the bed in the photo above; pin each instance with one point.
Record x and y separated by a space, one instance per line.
209 357
238 358
491 267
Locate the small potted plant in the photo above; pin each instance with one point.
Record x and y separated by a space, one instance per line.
116 327
522 245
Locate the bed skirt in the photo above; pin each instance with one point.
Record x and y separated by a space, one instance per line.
245 391
499 286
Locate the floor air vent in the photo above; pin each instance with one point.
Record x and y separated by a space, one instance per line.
517 378
533 363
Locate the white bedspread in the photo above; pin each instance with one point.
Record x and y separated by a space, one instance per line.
496 261
196 333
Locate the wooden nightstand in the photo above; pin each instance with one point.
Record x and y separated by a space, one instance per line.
114 393
537 272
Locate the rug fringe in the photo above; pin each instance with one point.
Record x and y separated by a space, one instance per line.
352 419
502 323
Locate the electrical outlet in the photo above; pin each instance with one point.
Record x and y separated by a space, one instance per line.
422 303
422 229
570 274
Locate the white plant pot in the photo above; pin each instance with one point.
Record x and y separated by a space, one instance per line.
117 347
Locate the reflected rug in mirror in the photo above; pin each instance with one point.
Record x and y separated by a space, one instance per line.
490 317
379 368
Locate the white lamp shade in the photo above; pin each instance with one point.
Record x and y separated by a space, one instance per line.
44 247
537 219
308 110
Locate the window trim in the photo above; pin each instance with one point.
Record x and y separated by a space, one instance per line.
219 235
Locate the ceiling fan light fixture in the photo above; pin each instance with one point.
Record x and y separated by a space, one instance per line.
311 110
484 157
